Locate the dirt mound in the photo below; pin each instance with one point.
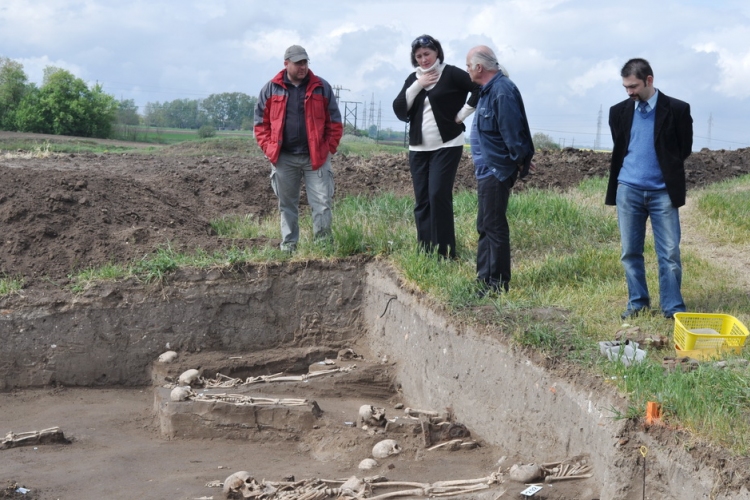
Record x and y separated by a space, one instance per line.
75 211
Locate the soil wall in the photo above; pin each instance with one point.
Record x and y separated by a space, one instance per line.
111 334
509 400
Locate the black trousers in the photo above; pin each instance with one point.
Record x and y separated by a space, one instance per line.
493 249
433 174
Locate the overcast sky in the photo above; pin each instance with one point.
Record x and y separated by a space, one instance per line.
564 55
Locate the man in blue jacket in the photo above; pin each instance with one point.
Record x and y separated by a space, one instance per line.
502 149
653 136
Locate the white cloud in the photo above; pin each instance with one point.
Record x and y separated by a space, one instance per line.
733 60
563 54
603 72
34 67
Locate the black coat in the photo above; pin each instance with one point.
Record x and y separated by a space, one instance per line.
447 98
673 141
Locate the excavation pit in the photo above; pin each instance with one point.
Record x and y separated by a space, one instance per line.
259 405
88 364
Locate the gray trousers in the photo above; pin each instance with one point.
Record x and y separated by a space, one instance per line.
286 178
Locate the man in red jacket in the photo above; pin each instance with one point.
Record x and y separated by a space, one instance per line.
298 126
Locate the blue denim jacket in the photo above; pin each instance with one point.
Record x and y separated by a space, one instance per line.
504 135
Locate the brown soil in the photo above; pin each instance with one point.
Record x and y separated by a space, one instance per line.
75 211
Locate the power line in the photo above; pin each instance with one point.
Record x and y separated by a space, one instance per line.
336 90
372 111
350 112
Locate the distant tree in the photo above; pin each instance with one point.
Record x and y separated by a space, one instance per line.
65 105
543 141
247 124
127 112
206 131
13 87
154 114
48 73
101 112
229 110
184 113
388 134
180 113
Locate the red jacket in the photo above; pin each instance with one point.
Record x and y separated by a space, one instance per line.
322 119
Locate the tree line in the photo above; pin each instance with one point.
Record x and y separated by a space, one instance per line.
65 105
229 110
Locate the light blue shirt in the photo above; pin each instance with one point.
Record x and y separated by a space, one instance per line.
651 103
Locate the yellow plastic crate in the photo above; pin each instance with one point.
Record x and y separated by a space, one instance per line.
732 333
708 354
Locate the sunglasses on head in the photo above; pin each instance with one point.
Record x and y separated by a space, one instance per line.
422 41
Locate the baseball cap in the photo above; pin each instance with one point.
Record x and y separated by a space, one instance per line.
295 53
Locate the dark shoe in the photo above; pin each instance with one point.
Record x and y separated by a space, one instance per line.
634 313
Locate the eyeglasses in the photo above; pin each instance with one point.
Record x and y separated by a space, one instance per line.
422 41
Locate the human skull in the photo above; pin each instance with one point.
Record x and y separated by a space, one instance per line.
181 393
167 357
371 415
525 473
386 448
239 485
188 377
368 463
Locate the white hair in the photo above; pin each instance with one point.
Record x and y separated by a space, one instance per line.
487 59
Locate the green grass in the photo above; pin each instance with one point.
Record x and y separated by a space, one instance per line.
152 140
110 272
164 135
553 224
236 226
10 286
214 146
565 258
725 207
711 402
42 148
364 146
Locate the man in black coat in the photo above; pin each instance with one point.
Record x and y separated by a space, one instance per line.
653 136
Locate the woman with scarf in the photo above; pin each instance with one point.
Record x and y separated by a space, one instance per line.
433 101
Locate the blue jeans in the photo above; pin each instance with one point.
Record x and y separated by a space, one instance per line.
286 180
634 206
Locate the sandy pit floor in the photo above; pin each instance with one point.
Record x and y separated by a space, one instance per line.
116 451
118 447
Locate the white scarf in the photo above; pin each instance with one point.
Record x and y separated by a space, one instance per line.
438 66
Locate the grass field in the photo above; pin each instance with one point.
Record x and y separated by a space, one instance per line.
157 140
162 135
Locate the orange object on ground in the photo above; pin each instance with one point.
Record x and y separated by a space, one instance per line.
653 413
